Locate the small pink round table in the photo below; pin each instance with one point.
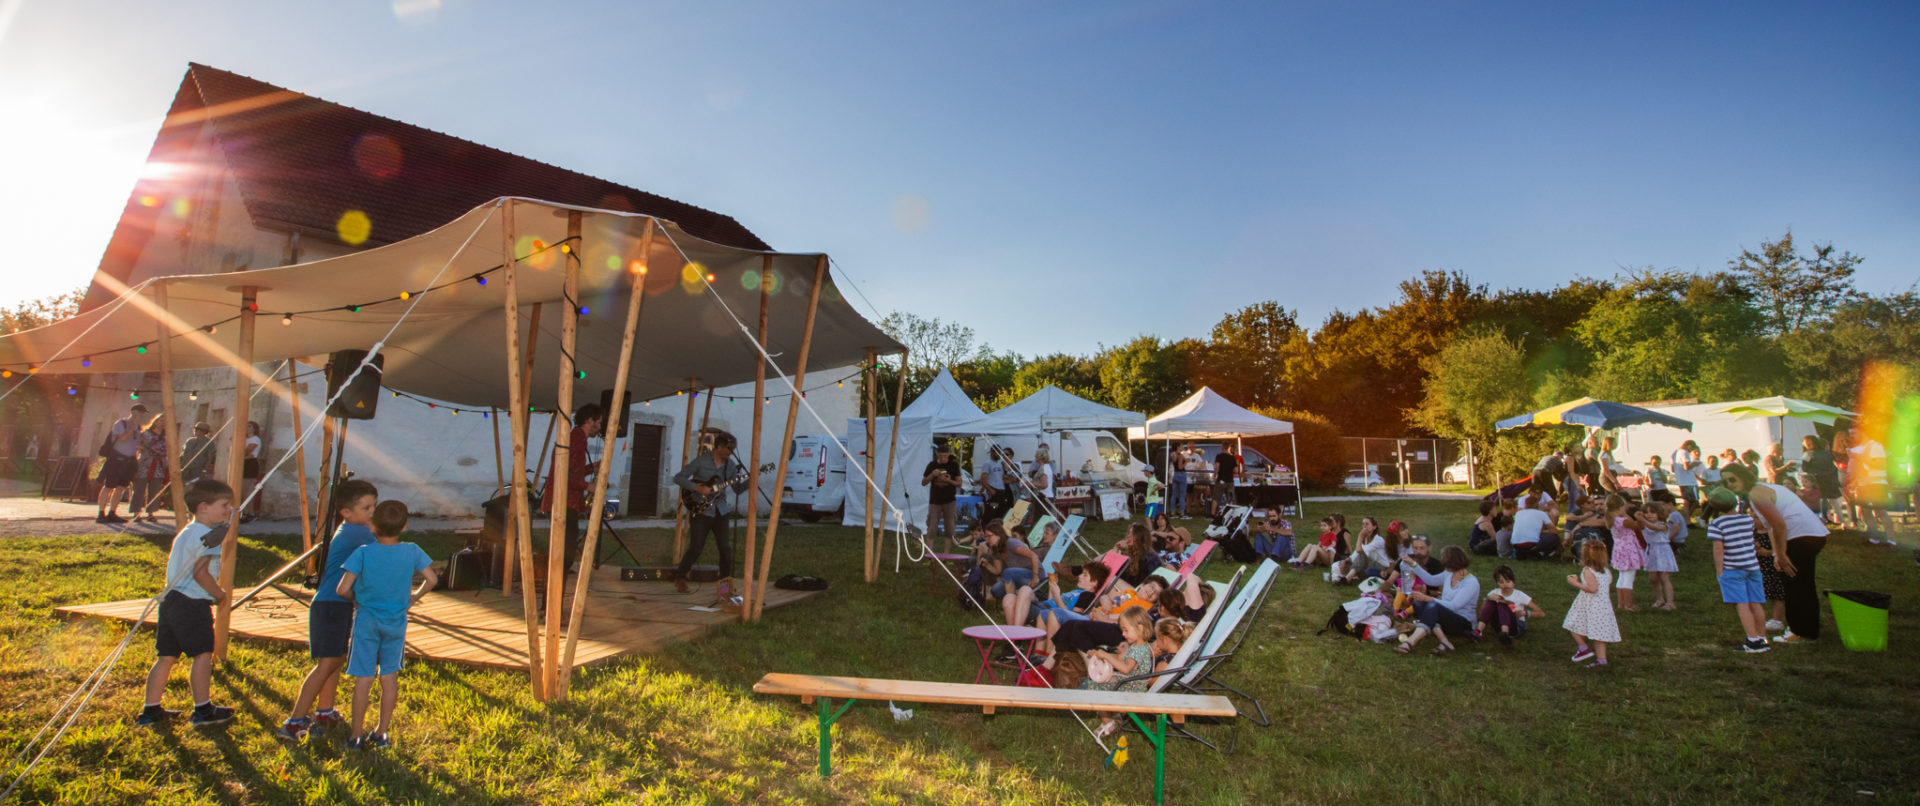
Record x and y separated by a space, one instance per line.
986 635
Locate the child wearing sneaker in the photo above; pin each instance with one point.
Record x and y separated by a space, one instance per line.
185 624
330 619
1590 617
376 579
1737 566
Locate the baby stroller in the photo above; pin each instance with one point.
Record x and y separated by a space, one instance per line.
1229 529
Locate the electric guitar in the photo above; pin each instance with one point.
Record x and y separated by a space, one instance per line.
697 505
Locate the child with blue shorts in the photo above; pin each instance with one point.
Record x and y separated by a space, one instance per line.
1737 566
377 579
330 619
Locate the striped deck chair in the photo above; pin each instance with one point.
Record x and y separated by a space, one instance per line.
1196 640
1202 676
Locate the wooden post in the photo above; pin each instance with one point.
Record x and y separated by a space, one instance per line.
870 378
540 462
680 521
300 462
499 470
759 414
236 452
893 442
174 437
557 493
517 410
757 602
597 502
516 540
326 476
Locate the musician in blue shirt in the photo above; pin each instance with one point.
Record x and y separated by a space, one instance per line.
706 479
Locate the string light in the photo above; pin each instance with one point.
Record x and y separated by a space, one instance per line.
133 395
406 295
480 278
86 361
579 374
286 320
212 329
353 308
194 395
142 349
71 390
583 310
6 373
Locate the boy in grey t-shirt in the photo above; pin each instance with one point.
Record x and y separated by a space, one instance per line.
185 624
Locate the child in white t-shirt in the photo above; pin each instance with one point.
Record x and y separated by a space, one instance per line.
1507 607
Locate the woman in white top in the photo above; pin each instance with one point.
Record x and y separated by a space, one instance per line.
1043 472
1785 514
1373 550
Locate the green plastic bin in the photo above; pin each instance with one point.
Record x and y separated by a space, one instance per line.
1862 618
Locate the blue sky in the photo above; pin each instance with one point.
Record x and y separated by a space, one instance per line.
1064 175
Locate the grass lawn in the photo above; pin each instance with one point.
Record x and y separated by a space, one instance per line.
1680 718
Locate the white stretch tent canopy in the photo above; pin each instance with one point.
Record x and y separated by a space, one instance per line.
451 342
942 408
1207 415
1053 409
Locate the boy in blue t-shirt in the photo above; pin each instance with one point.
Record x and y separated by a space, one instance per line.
377 579
330 619
185 623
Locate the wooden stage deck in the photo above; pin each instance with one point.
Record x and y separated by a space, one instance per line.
485 628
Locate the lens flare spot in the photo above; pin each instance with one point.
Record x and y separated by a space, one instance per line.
637 267
354 227
750 280
149 200
535 252
775 280
181 207
377 156
416 12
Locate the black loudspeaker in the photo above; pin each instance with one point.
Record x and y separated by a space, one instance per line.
362 396
616 415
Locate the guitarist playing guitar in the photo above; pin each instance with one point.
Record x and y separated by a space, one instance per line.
704 482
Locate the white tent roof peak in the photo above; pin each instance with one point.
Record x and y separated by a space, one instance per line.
944 405
1053 409
1207 415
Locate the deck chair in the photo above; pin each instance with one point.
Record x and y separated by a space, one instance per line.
1202 675
1015 515
1168 576
1057 553
1039 529
1184 657
1072 527
1198 557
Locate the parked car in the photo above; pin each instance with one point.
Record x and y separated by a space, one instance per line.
816 483
1455 473
1363 479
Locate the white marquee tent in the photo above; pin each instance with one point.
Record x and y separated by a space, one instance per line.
944 409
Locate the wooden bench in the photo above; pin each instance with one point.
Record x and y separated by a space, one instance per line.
1176 707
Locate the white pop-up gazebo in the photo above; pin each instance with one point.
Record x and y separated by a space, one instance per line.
895 463
1207 415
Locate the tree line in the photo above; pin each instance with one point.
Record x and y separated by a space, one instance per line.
1448 357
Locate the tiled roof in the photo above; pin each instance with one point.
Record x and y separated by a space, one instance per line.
302 162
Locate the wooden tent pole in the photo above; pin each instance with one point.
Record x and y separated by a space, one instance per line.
516 541
540 462
517 410
236 452
557 493
173 434
300 463
680 522
759 415
893 441
759 599
499 469
870 379
325 494
596 504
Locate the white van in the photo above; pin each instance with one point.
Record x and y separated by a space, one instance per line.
816 483
1088 455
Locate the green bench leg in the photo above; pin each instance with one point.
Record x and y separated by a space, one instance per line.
827 717
1156 736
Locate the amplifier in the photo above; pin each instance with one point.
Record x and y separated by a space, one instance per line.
664 573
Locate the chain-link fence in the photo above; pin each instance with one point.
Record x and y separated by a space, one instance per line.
1405 462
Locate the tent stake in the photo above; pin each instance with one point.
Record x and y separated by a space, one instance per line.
793 412
759 416
558 495
517 410
173 433
236 452
870 380
596 504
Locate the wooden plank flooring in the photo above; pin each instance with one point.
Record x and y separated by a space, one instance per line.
485 628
